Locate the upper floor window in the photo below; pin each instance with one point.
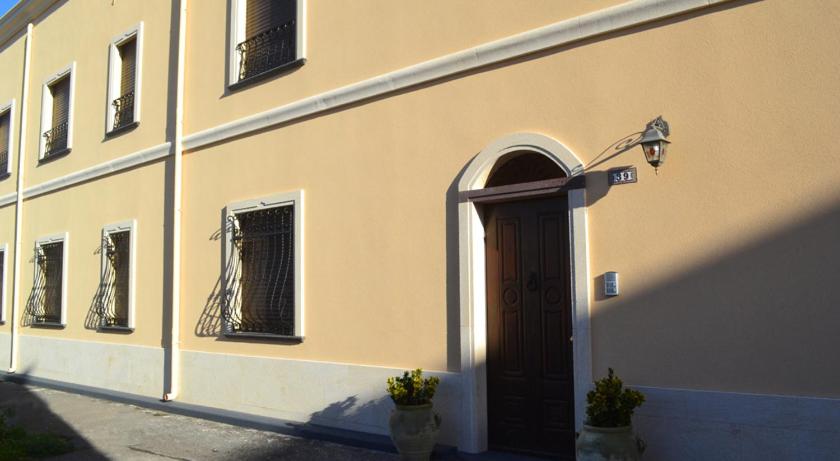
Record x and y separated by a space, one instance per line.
6 122
125 59
264 267
267 37
57 113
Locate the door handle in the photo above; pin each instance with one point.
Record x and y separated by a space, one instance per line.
533 284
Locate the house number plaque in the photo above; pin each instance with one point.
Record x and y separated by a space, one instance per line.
623 175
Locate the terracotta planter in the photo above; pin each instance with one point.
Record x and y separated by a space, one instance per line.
414 431
607 444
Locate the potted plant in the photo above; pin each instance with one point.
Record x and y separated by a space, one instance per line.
414 425
607 433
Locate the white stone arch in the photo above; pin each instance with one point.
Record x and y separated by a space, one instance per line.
473 321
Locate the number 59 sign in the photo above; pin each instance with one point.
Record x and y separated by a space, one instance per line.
623 175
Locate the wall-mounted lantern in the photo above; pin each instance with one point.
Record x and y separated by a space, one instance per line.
654 142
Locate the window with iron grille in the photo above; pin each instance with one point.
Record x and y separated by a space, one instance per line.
263 268
57 114
115 297
267 35
5 139
124 75
48 306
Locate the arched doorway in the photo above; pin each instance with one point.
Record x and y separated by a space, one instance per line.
524 296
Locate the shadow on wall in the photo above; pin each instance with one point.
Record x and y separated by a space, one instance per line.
757 319
30 412
210 322
35 302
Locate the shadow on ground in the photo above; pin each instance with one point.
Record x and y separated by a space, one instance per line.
28 410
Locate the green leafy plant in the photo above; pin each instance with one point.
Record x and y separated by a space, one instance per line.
412 389
17 444
610 404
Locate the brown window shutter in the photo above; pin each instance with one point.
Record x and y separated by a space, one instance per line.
266 14
4 153
61 101
128 53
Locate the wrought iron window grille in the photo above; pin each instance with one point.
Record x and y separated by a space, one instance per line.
260 291
47 308
123 110
267 50
55 139
113 296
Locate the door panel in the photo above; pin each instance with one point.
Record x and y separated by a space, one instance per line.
529 352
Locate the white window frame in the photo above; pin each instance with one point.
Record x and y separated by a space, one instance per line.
115 73
237 34
124 226
65 268
290 198
10 108
3 278
47 106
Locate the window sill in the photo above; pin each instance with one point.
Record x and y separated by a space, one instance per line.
269 336
267 74
115 329
54 156
48 325
121 130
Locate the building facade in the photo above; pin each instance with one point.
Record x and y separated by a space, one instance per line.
271 207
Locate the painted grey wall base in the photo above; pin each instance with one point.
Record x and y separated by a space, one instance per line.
702 425
133 369
339 395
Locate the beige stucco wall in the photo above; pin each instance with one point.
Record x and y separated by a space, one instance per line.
7 238
94 25
82 211
351 41
726 257
11 59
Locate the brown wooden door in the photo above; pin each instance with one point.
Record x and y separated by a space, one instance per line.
529 349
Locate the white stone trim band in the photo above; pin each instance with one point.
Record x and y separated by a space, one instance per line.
611 19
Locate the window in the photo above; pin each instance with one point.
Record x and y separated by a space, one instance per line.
115 298
264 267
50 287
125 59
267 35
57 114
4 250
6 126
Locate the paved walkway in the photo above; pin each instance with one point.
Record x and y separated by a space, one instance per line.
103 429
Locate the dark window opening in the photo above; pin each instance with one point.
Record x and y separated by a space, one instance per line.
56 137
50 264
264 285
114 296
271 39
522 167
124 104
5 120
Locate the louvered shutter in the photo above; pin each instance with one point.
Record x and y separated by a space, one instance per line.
61 101
128 52
266 14
4 145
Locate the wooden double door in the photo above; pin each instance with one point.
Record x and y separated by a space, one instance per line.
529 331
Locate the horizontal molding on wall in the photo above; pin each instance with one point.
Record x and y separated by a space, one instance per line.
623 16
96 171
8 199
15 20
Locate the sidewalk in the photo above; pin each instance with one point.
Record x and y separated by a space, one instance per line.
103 429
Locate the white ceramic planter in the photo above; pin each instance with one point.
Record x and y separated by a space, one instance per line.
414 431
607 444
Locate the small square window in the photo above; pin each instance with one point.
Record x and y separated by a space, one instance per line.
263 264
